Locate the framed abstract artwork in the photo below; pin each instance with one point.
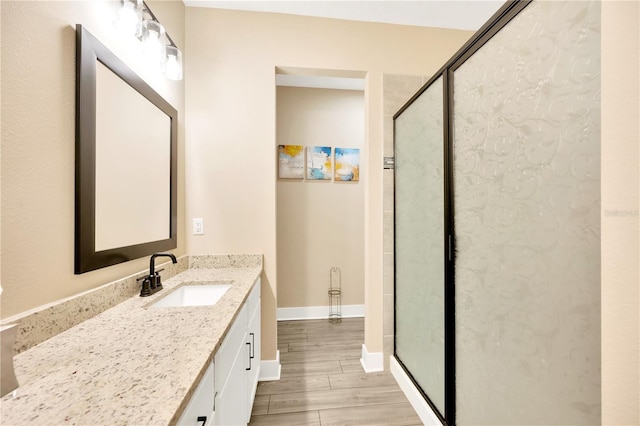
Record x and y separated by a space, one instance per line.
319 163
347 167
290 161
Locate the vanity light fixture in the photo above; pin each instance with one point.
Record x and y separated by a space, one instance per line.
135 18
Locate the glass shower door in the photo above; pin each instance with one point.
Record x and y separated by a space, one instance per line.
419 243
526 146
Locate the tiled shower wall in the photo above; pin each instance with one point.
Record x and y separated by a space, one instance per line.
397 90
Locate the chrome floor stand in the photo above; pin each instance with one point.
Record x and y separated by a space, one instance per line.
335 295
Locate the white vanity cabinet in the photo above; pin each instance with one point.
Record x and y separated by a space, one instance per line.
225 395
237 364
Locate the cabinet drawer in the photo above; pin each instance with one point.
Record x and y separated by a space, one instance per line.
233 342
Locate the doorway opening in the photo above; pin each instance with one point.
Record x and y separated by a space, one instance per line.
320 114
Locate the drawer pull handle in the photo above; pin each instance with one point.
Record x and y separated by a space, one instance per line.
253 345
202 419
249 357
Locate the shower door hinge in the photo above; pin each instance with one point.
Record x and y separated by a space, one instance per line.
389 162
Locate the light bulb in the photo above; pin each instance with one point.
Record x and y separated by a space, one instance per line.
173 63
152 44
128 17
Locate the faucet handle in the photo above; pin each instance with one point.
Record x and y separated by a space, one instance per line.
158 279
146 287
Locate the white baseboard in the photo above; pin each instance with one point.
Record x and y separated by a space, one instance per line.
371 361
270 369
423 409
317 312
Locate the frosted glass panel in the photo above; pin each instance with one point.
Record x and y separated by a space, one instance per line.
419 248
527 221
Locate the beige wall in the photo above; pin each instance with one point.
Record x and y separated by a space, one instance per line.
620 192
231 100
38 144
320 223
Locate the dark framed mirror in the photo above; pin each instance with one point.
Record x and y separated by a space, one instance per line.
126 162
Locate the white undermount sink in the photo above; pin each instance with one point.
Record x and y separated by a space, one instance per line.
193 295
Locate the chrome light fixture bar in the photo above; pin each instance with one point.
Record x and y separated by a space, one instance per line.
135 18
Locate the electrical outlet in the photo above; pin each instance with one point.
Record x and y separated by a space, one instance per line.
198 226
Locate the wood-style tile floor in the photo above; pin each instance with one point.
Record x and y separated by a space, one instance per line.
322 381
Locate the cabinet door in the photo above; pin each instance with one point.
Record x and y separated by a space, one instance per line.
230 400
253 366
199 411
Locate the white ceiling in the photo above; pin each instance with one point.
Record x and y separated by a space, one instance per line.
458 14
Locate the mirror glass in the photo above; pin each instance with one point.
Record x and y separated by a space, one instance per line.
126 160
123 183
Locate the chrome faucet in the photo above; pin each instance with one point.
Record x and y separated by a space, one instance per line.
152 283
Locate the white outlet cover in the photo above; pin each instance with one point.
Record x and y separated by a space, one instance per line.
198 226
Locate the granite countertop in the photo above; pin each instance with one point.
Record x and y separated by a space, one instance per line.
131 364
